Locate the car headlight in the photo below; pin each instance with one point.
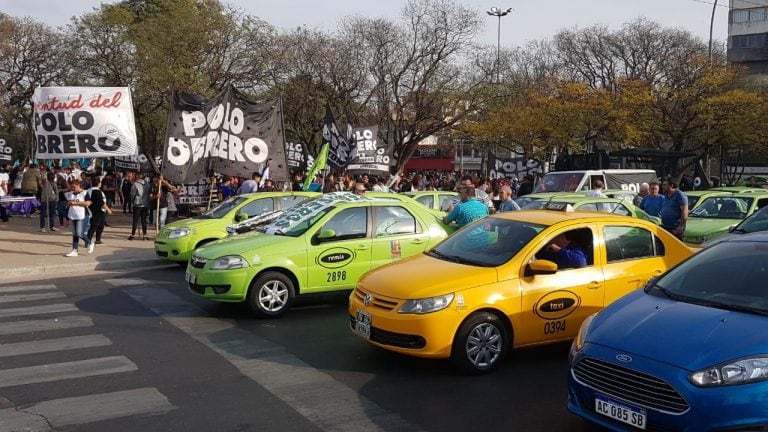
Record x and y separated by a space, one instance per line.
229 262
426 305
581 337
179 232
742 371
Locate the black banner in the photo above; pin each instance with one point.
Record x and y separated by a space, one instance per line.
228 134
296 155
341 144
511 167
700 179
196 193
630 181
6 151
369 155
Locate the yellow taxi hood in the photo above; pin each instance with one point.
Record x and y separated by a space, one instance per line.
422 276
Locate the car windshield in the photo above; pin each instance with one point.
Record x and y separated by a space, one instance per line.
559 182
692 200
224 208
729 275
756 222
723 207
298 219
489 242
534 205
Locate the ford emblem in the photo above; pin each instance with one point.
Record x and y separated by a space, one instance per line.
624 358
367 299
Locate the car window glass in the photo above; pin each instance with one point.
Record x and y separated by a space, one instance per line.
349 223
426 200
589 207
393 220
257 207
660 250
446 201
625 243
580 248
287 202
756 222
620 209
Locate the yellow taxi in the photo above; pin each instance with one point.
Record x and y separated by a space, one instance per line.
513 279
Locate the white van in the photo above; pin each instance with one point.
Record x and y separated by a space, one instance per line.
581 181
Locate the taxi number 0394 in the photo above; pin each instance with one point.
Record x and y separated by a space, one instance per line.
337 276
554 327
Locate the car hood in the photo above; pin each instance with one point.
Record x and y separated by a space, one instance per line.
703 226
422 276
685 335
191 223
250 244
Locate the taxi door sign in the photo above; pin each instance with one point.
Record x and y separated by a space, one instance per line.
394 248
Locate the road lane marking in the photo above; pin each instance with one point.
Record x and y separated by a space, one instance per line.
15 288
65 322
131 282
64 371
327 403
57 413
49 345
30 297
37 310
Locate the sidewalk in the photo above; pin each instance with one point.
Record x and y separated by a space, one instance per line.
25 251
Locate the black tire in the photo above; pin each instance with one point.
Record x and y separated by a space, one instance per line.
480 344
271 295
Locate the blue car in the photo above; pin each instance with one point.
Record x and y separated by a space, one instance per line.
689 352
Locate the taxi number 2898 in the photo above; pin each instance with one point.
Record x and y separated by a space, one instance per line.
337 276
554 327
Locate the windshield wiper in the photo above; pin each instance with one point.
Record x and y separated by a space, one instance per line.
667 293
730 306
741 231
455 258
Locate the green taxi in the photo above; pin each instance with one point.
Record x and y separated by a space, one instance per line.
714 215
606 205
177 240
323 244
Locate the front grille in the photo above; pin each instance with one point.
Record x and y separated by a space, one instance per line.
197 262
629 385
376 301
399 340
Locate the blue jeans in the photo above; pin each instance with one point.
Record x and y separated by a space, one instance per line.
48 207
63 214
163 216
79 230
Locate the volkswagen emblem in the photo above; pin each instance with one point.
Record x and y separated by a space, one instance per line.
367 299
624 358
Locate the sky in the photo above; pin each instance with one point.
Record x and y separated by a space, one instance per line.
530 20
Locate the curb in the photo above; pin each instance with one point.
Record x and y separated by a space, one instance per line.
84 267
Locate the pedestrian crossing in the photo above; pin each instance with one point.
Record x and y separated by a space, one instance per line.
43 328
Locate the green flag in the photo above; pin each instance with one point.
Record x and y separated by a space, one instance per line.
320 162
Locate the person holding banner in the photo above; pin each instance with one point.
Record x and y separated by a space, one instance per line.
159 191
77 203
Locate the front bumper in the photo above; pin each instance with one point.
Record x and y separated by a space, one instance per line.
428 335
741 407
176 249
219 285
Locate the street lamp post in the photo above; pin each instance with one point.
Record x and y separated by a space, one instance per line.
711 26
494 11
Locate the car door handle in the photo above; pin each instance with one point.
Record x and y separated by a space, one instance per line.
658 272
417 241
361 247
593 285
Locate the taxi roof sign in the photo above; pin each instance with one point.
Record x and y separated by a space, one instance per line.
558 206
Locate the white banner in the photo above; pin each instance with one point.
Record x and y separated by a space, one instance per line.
83 122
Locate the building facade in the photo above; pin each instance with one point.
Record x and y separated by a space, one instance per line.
748 34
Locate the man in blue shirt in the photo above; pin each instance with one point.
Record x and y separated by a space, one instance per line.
652 202
468 210
507 203
565 252
674 211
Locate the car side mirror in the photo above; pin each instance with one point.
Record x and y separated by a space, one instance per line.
731 228
326 234
239 217
542 267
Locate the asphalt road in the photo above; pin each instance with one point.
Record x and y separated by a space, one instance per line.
137 351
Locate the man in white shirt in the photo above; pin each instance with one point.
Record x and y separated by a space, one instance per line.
4 180
597 190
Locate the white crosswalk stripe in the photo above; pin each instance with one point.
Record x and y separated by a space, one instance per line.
13 298
65 322
57 413
26 288
49 345
49 415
